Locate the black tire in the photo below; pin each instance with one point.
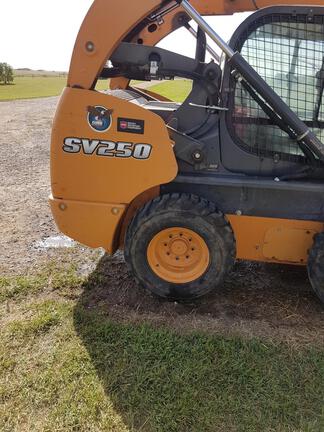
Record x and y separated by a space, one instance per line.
315 266
187 211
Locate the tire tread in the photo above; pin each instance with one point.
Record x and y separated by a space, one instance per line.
180 202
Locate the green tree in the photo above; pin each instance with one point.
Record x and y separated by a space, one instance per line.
9 74
6 73
1 72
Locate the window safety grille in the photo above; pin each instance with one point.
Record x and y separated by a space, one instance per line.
288 52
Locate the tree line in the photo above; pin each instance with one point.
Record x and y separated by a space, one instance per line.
6 74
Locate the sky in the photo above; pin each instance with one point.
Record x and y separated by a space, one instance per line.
42 34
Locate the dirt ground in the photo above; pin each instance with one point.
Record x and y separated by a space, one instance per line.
269 301
25 218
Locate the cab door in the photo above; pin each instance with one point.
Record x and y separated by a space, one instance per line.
285 45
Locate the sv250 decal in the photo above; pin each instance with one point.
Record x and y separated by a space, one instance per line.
107 148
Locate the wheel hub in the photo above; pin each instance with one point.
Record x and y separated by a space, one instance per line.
178 247
178 255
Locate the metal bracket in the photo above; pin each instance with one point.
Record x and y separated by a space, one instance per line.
209 107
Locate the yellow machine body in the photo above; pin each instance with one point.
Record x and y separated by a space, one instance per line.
93 185
100 178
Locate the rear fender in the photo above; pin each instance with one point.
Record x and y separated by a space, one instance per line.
104 162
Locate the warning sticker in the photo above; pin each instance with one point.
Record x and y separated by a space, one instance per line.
130 126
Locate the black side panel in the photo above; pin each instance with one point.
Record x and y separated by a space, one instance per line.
256 197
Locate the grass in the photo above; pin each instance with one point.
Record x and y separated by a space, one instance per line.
17 287
176 90
32 87
29 87
36 87
67 366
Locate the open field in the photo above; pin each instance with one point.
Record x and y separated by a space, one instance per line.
83 348
28 87
32 87
176 90
25 72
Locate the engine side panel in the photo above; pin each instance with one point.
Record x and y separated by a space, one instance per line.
105 152
132 154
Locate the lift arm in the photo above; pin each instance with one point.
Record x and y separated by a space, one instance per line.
109 22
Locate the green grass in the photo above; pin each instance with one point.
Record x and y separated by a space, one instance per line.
36 87
42 86
65 365
176 90
32 87
51 278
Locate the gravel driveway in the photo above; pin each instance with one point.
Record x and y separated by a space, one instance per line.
24 179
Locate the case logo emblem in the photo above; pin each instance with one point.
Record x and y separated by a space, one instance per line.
99 118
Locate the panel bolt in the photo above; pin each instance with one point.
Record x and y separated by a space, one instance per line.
90 46
115 211
62 206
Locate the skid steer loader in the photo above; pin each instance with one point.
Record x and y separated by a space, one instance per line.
236 171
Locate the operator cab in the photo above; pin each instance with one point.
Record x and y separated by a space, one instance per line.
285 46
224 125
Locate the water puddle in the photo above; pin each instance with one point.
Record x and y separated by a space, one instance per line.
54 242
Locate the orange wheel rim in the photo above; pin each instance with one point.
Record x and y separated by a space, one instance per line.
178 255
